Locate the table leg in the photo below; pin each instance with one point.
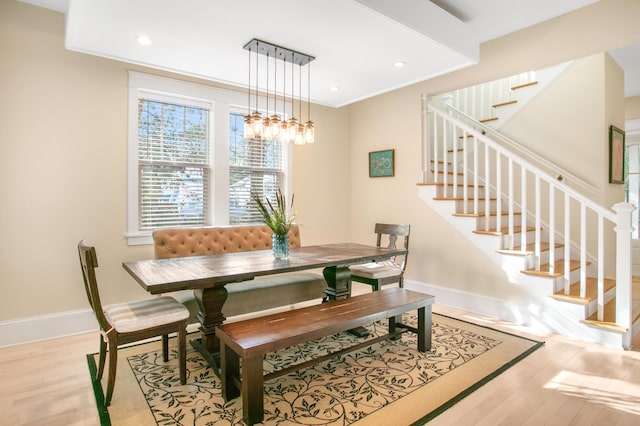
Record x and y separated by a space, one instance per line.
424 329
210 300
338 280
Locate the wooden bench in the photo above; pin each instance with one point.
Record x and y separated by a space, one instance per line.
251 339
243 297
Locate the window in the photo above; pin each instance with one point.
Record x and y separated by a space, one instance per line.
256 169
173 164
188 163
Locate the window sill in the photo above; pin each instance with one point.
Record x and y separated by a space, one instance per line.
140 239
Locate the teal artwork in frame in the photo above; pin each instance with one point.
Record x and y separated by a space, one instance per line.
381 163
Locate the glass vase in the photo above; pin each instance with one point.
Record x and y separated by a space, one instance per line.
281 246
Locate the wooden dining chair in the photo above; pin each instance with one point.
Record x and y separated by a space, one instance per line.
129 322
377 274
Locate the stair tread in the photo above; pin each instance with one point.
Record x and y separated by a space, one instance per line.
609 316
461 199
503 231
484 214
529 249
451 184
501 104
520 86
449 172
591 291
558 270
484 120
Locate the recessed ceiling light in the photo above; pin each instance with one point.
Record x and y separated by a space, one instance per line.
143 40
400 64
335 89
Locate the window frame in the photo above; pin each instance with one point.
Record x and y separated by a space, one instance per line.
222 102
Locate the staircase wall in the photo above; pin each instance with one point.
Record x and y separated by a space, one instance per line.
568 123
439 254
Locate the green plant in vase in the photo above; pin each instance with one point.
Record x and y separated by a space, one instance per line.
279 219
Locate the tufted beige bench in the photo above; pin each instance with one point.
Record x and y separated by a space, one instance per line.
262 293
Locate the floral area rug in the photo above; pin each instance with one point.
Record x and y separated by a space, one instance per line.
388 382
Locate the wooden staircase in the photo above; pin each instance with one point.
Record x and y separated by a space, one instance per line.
583 307
505 103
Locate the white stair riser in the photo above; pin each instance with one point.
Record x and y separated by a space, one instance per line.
470 204
449 192
484 223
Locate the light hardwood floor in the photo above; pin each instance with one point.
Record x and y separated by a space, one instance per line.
565 382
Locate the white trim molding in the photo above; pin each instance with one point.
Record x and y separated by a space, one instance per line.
45 327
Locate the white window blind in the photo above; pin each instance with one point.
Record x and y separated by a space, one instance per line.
256 168
173 164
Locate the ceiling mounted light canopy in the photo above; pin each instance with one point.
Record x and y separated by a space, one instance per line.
276 126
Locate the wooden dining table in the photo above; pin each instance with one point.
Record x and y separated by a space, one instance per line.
208 275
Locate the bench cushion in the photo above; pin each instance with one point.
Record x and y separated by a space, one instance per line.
262 293
182 242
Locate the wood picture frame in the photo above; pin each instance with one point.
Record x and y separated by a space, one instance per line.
617 164
382 163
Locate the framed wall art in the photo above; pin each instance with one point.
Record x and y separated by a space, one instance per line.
381 163
617 172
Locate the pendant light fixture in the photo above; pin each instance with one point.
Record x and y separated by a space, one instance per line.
309 128
248 119
275 118
293 121
284 126
276 126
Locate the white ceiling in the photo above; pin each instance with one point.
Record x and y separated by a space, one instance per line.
355 42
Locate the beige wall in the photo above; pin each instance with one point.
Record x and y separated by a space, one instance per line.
632 108
439 255
63 159
63 175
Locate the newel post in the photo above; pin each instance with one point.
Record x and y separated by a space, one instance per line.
426 132
623 231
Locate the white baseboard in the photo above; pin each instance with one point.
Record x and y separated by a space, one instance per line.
471 302
52 326
25 330
44 327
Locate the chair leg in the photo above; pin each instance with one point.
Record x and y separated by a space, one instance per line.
165 347
103 355
113 362
401 282
182 353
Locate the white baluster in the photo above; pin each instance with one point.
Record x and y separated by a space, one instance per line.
536 231
511 206
523 202
498 193
600 268
475 175
567 243
465 189
454 163
552 227
583 250
487 186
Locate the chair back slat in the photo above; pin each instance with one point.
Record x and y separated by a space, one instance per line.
89 262
391 232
